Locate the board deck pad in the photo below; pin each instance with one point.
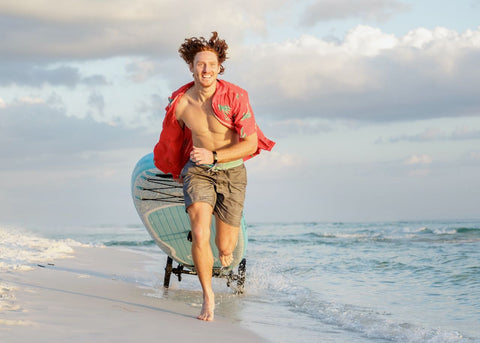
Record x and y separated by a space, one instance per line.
160 205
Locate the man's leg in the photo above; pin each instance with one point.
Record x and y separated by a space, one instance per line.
226 240
200 214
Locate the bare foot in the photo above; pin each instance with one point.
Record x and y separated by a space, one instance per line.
226 259
207 308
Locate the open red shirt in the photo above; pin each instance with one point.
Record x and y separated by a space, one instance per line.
231 107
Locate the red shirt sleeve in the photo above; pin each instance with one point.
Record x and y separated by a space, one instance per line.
172 151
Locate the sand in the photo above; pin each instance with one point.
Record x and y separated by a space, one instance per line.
94 297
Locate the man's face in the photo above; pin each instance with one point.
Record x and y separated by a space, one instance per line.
205 68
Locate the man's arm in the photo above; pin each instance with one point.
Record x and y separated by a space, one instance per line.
239 150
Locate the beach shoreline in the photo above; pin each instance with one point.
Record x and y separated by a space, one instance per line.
106 284
98 294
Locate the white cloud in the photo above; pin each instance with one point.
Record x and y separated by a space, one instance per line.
418 159
31 100
38 133
298 126
431 134
465 132
419 172
436 134
368 41
92 29
376 10
475 155
96 101
141 70
65 169
369 76
275 165
428 135
41 73
33 74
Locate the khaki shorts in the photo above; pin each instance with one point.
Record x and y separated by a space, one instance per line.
223 189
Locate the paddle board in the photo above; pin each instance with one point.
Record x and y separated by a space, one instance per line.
160 205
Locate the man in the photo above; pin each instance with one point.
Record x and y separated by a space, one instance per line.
208 131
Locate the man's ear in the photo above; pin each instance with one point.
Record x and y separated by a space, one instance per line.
190 65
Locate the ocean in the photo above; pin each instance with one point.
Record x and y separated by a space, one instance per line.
411 281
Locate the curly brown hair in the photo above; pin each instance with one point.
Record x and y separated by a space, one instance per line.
194 45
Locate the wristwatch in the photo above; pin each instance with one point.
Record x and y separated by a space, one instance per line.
215 159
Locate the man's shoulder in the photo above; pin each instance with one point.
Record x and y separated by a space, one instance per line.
230 87
177 96
182 90
231 95
182 102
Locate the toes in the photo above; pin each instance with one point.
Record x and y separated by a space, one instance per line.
226 260
208 308
206 317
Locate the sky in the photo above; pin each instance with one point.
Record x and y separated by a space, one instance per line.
374 105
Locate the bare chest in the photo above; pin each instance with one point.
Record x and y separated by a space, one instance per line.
200 118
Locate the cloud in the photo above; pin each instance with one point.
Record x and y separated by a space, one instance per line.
418 159
63 170
465 132
140 71
369 76
96 101
420 172
94 80
92 29
37 74
37 133
21 73
475 155
376 10
285 164
304 126
417 165
435 134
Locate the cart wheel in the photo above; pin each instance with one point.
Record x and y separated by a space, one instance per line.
242 271
168 272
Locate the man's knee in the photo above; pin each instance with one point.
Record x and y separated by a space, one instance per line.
200 219
200 234
200 210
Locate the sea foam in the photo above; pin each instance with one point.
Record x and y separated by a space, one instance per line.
21 250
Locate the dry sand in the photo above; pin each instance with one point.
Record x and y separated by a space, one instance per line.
93 297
